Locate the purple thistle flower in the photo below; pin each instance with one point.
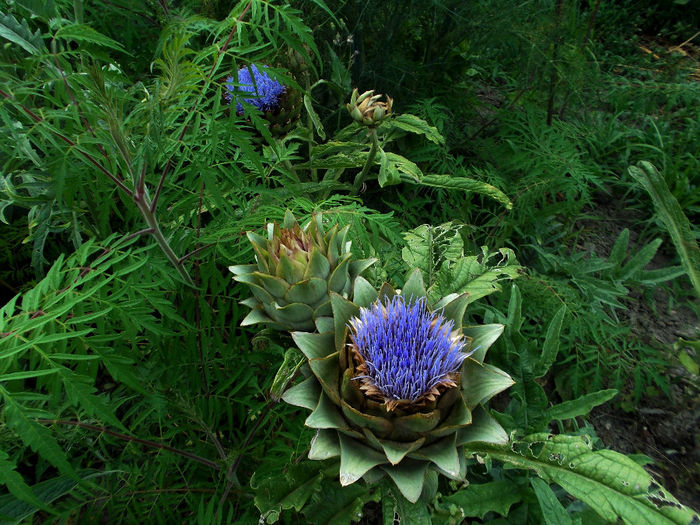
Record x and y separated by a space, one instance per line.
404 351
266 91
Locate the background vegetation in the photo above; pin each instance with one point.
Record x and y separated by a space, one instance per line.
554 144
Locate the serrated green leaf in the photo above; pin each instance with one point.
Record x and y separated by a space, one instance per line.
20 34
638 261
674 219
466 184
413 124
610 483
550 348
292 489
552 510
85 33
580 406
476 500
339 505
293 359
314 117
10 478
35 435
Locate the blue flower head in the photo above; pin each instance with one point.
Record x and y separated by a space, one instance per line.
265 91
405 354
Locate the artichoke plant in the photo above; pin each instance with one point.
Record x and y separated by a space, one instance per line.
296 269
396 386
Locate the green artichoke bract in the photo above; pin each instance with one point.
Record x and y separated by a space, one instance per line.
397 385
295 271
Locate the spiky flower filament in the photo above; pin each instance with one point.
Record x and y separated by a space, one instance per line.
405 354
264 90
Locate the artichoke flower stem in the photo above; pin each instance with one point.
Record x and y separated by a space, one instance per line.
370 161
154 229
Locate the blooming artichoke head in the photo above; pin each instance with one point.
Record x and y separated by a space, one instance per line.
368 109
296 269
397 385
253 85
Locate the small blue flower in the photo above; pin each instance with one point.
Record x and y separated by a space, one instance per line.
265 90
404 352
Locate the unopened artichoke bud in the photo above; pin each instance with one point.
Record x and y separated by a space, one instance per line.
398 385
368 109
296 269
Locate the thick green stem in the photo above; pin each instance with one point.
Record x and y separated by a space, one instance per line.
370 161
150 218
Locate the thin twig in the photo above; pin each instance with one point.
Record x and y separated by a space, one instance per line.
145 231
196 251
125 437
230 36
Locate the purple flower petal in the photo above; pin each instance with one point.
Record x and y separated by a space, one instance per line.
407 350
265 91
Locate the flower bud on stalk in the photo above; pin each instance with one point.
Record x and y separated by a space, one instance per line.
367 108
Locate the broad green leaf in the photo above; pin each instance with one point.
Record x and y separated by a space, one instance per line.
638 261
553 511
413 124
449 182
478 499
550 348
482 381
399 169
308 104
580 406
396 507
290 489
671 213
293 360
409 477
610 483
339 505
688 362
